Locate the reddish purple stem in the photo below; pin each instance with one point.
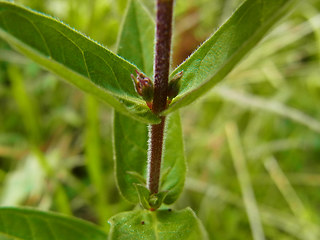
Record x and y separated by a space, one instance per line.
161 76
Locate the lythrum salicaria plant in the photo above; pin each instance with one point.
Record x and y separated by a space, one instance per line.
146 96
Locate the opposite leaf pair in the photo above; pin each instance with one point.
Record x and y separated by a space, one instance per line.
96 70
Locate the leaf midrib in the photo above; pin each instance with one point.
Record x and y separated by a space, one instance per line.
135 101
87 76
155 224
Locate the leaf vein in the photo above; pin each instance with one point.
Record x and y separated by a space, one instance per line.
41 35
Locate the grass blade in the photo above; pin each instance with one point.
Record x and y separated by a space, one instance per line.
245 182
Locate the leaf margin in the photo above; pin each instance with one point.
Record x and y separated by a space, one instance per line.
133 107
187 98
48 215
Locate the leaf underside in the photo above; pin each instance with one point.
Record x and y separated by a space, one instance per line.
131 137
74 57
217 56
159 225
28 224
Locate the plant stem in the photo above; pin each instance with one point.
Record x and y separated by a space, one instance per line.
161 76
155 155
162 54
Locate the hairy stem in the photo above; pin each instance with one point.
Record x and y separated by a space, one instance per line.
161 75
156 136
162 54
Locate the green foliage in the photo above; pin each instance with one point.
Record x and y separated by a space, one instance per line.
74 57
159 225
27 224
173 169
130 144
220 53
136 39
279 81
130 137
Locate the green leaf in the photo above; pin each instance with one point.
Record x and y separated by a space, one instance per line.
130 145
158 225
28 224
137 37
144 195
173 168
138 176
131 137
130 148
74 57
221 52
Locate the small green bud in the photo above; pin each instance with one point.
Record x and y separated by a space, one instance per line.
153 200
174 86
156 199
147 200
143 86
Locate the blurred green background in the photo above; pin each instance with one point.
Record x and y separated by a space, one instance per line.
252 143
